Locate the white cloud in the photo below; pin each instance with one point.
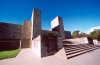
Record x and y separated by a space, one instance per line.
92 29
75 29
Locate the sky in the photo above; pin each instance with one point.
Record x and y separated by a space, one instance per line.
83 15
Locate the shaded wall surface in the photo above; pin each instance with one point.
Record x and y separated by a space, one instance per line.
36 23
26 34
10 36
10 31
9 45
46 32
57 25
68 35
48 44
90 40
53 33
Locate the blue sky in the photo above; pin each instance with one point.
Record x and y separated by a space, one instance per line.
77 14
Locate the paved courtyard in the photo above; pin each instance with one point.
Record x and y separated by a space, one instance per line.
28 57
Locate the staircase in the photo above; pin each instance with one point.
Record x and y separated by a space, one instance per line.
70 51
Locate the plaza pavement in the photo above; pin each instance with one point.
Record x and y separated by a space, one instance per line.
28 57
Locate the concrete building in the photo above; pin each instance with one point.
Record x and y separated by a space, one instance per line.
30 35
46 42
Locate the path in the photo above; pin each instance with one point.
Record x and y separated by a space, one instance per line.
28 57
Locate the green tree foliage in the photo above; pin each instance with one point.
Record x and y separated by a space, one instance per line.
75 34
95 34
82 34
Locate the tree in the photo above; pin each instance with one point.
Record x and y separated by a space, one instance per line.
82 34
95 34
75 34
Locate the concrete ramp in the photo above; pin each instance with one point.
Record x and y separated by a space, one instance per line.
61 54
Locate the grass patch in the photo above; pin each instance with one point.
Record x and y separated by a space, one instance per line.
9 54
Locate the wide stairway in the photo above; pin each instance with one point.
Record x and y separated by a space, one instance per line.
70 51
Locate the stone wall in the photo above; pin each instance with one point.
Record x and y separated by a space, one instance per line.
54 22
83 40
61 27
95 42
68 35
44 32
48 44
10 36
9 45
36 23
10 31
36 45
51 42
57 25
59 43
26 34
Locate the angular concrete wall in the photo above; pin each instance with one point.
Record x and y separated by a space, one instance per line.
59 43
68 35
61 27
10 36
57 25
26 31
36 23
26 34
10 31
36 45
44 32
83 40
48 45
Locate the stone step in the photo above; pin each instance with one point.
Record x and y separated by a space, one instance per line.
90 47
95 46
73 52
76 54
73 48
68 50
77 48
98 46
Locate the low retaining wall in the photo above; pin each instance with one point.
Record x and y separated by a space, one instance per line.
9 45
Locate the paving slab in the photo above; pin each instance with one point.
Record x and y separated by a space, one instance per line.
90 58
28 57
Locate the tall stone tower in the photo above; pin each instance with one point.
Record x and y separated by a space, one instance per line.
36 23
57 25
